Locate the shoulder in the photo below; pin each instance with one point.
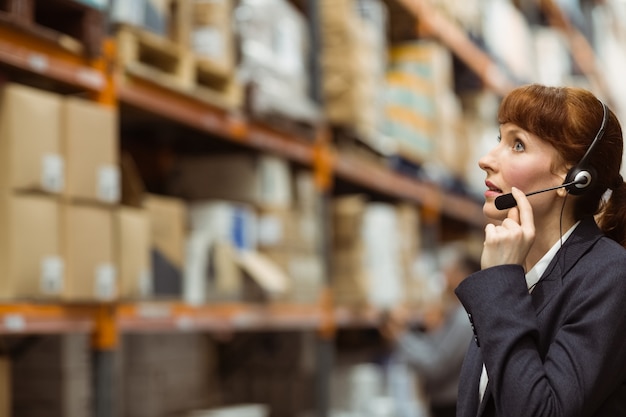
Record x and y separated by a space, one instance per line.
603 268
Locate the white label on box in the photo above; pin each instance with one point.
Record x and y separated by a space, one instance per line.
38 62
109 184
209 42
145 283
270 230
105 285
52 178
52 275
14 322
184 323
92 77
129 11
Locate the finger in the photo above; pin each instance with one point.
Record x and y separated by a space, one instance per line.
526 218
514 215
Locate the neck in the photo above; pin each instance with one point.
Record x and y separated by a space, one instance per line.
551 232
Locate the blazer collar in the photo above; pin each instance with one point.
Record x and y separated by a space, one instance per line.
580 241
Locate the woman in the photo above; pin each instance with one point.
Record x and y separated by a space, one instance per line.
548 308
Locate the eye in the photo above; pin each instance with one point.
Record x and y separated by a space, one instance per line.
499 138
518 146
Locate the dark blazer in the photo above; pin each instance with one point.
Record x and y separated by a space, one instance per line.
560 351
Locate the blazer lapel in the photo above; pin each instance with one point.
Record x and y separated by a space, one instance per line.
580 241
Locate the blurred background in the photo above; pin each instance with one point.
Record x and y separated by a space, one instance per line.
252 207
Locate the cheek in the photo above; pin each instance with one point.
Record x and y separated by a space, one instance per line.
516 175
524 177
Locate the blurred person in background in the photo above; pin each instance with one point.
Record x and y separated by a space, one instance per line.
436 351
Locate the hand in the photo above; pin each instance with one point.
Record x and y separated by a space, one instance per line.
509 242
433 317
394 323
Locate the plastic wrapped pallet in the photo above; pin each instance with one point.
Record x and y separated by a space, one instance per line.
419 74
212 34
353 60
366 267
152 15
274 53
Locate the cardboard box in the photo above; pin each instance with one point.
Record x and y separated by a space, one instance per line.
264 181
5 387
168 220
132 246
30 147
53 377
31 265
91 273
212 34
89 142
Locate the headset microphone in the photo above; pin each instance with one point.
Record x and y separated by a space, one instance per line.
507 201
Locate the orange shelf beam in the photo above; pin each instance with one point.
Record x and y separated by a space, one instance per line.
227 317
27 318
28 52
193 112
381 179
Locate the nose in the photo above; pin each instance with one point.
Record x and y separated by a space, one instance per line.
488 161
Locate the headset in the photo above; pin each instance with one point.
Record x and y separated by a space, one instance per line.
578 179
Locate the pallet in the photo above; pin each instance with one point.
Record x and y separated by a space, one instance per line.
150 56
299 127
166 63
217 85
74 26
348 140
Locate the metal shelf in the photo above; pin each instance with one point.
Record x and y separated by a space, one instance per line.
226 317
31 318
27 52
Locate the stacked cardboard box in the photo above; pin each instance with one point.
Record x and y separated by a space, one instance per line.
373 248
213 35
276 369
65 231
53 378
249 217
349 277
353 62
291 237
167 217
165 374
31 178
89 143
6 389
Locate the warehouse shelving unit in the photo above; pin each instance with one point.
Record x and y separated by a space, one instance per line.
35 57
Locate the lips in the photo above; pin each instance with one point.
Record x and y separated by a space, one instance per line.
491 187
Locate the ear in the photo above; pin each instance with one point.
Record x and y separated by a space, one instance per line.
562 174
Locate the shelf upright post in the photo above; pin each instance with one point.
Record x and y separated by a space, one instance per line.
323 173
104 342
431 222
105 64
105 339
322 166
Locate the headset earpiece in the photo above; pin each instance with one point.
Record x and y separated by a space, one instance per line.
580 179
581 176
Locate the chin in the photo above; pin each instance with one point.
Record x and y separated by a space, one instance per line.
492 213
